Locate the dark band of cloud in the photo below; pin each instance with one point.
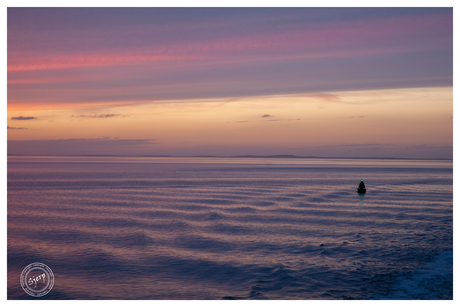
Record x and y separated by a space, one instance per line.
260 121
97 115
425 146
23 118
362 145
96 146
15 128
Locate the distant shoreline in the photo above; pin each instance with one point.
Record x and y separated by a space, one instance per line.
238 157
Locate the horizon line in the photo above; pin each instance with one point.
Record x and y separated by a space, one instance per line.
237 156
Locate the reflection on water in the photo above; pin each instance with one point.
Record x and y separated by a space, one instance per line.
188 230
361 196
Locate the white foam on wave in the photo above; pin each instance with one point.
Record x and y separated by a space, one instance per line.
433 281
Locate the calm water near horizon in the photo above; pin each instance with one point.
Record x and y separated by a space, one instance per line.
227 228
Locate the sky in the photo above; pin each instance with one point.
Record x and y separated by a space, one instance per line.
330 82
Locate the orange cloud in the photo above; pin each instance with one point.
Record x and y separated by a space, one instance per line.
79 61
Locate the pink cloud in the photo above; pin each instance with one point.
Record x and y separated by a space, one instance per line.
351 38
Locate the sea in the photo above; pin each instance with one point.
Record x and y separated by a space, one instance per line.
247 228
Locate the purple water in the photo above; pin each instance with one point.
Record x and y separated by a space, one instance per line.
215 228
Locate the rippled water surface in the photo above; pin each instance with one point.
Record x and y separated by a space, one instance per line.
215 228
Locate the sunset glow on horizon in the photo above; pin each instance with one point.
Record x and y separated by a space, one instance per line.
349 82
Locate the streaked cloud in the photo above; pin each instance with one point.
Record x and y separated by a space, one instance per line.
23 118
430 147
231 80
97 116
364 145
95 146
15 128
227 52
